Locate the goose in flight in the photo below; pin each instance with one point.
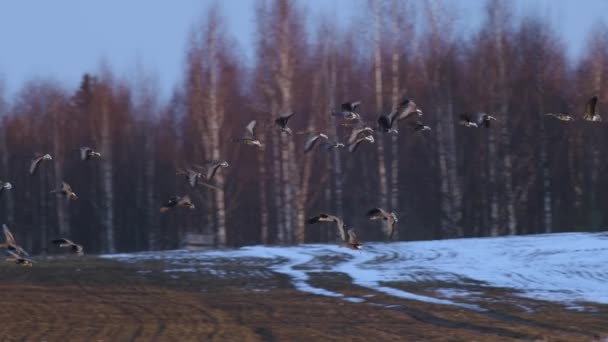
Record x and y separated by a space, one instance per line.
87 153
561 117
10 243
65 243
312 140
353 242
249 137
5 186
348 110
407 108
389 216
18 259
281 122
485 120
419 126
177 202
467 120
352 147
386 121
36 162
330 218
591 111
212 167
65 191
359 131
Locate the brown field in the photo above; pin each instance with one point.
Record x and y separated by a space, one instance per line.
91 299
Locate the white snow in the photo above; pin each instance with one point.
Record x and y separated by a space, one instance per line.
567 268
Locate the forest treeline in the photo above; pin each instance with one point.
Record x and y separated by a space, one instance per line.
527 173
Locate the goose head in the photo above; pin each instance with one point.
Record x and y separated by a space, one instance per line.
47 157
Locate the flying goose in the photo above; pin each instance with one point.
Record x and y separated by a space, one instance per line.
312 141
5 186
36 162
381 214
177 202
330 218
282 120
386 121
249 137
87 153
591 111
352 147
348 110
407 108
353 242
212 168
10 243
467 120
65 191
359 131
19 260
561 117
485 119
74 247
419 126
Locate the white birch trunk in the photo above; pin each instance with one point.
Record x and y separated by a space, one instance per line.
107 175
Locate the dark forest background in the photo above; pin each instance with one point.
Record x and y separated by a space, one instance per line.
526 174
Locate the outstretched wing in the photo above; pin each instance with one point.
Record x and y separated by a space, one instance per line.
377 213
34 165
250 129
591 104
405 109
312 140
283 119
352 236
66 187
8 236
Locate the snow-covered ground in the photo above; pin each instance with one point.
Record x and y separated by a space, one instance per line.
569 268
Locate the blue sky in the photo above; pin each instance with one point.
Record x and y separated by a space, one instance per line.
61 39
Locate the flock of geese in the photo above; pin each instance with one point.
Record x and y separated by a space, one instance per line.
361 132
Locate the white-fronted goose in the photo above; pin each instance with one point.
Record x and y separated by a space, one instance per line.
352 147
467 120
18 259
65 191
561 117
87 153
348 110
484 120
249 137
10 243
353 242
36 162
281 122
65 243
212 167
381 214
330 218
359 131
591 111
177 202
407 108
5 186
312 140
